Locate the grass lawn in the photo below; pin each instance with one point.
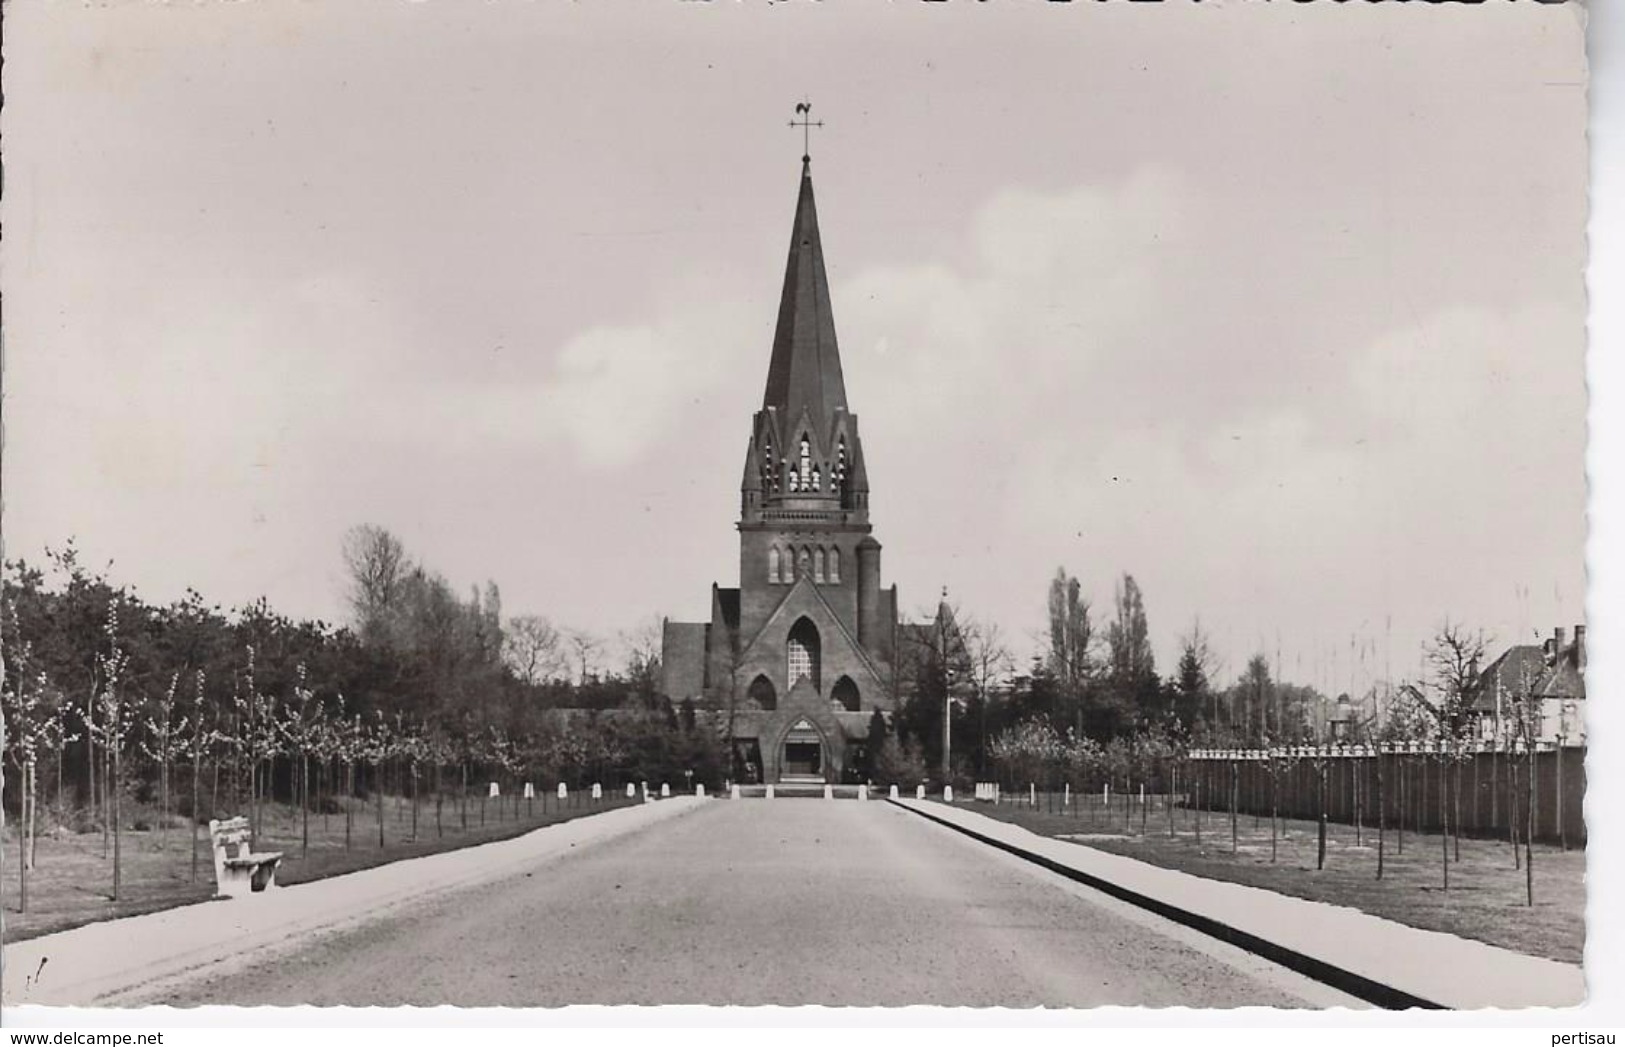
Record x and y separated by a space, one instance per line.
71 883
1486 900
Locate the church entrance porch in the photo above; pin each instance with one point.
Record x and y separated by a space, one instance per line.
803 760
802 755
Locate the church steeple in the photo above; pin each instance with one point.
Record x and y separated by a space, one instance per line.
804 374
805 454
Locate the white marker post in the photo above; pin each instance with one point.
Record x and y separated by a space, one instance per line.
530 790
893 793
665 790
770 792
495 791
631 790
1142 794
1066 795
919 792
699 790
829 792
947 794
863 792
597 791
564 791
1106 795
733 794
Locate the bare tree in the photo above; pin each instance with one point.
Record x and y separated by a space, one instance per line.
641 645
533 648
585 647
1452 656
378 566
991 664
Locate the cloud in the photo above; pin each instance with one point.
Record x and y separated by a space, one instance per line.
618 395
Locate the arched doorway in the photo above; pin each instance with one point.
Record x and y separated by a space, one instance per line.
801 753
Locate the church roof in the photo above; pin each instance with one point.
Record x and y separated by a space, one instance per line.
805 371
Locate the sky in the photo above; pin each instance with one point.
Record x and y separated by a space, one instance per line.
1278 308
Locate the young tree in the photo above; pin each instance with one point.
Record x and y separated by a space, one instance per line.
161 746
378 745
28 718
196 744
262 742
351 745
115 716
301 731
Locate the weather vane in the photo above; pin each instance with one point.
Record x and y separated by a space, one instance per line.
806 123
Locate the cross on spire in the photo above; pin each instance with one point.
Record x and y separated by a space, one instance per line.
806 123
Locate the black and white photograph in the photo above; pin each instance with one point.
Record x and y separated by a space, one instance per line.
644 504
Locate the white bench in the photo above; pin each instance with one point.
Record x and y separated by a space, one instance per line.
240 873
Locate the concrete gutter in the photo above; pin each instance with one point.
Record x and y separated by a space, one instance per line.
100 962
1385 963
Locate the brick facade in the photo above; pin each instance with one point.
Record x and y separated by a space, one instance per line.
799 656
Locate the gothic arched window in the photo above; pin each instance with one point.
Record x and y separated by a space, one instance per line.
817 479
845 694
773 564
787 566
818 565
804 563
837 479
806 461
802 653
834 564
761 692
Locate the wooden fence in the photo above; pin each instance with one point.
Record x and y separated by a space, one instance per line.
1482 791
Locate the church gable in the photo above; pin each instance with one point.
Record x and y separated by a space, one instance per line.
805 633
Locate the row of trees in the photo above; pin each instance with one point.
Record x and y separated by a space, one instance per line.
117 708
1097 681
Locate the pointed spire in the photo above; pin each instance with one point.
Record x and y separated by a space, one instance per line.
752 481
805 371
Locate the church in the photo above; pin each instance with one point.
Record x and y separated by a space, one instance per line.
796 660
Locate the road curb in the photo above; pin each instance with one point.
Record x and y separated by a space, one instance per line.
1358 985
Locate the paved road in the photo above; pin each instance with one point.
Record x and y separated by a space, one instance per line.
768 902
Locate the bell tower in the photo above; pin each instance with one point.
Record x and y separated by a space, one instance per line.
796 661
804 496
